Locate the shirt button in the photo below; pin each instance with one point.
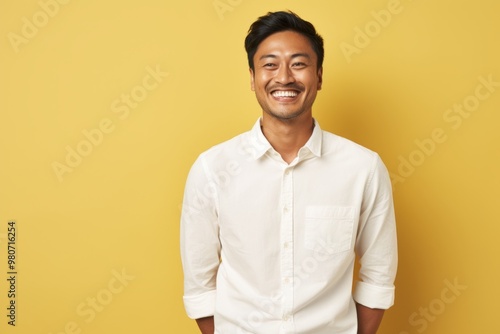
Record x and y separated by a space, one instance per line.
286 245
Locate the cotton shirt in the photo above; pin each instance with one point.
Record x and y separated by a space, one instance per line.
269 247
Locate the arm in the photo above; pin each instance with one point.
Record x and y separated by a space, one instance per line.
376 246
206 325
200 245
368 319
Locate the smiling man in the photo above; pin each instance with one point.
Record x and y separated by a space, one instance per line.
274 218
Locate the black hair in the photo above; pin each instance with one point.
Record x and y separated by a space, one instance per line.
274 22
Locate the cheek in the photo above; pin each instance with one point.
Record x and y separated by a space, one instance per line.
313 83
263 78
260 84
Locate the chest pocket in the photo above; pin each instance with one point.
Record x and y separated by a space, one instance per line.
329 229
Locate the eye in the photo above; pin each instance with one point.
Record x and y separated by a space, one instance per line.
299 64
269 65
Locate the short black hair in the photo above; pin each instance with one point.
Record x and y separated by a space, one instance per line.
274 22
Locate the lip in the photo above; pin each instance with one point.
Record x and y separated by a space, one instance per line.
284 98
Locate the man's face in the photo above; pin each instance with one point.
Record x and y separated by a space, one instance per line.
286 78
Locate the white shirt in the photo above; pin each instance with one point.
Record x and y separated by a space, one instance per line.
269 247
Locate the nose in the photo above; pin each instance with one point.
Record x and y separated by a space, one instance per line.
284 75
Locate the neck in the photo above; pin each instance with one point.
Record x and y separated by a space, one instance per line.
287 137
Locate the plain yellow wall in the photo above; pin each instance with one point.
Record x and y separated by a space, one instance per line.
105 105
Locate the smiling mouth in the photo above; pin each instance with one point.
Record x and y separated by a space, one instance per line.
284 93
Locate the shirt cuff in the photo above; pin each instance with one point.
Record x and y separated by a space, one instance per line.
373 296
200 306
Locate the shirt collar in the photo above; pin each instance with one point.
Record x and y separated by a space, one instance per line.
259 142
261 145
315 141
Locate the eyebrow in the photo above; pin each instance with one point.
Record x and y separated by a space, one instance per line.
295 55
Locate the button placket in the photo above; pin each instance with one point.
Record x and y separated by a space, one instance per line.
287 242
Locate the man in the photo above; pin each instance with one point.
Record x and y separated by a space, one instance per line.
273 219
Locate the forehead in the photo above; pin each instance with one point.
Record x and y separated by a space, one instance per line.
285 43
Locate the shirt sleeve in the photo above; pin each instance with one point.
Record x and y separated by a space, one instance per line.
200 246
376 243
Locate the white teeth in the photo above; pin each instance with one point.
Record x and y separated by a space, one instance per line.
284 93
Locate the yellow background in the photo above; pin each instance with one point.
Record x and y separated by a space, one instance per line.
118 209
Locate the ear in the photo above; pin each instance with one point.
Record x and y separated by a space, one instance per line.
320 78
252 83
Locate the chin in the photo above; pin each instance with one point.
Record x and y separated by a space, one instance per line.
288 115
